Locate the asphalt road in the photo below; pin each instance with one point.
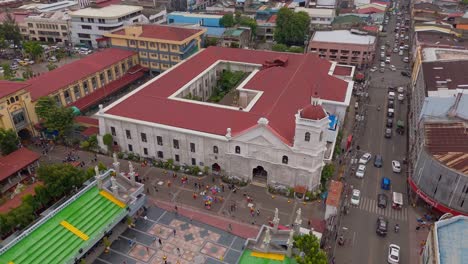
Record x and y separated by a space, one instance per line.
362 244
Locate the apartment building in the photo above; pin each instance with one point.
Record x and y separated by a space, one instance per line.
159 47
48 27
319 17
89 25
344 47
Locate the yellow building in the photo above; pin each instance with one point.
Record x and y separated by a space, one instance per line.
80 84
159 47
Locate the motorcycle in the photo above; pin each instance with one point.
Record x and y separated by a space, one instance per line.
378 108
341 241
397 228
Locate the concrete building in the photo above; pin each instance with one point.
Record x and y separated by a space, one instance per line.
89 25
446 241
326 4
209 22
319 17
274 130
52 7
159 47
236 38
344 47
81 84
52 27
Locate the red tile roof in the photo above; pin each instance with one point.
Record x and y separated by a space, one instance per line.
104 3
342 70
18 199
16 161
334 193
370 10
7 87
313 112
285 91
68 74
90 131
163 32
272 19
86 120
18 16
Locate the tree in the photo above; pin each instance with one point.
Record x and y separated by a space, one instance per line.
54 117
327 172
279 47
9 141
28 73
310 246
108 140
42 195
291 27
210 42
8 73
9 30
60 179
33 49
227 20
249 22
296 49
51 66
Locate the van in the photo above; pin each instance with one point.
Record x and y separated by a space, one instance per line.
400 53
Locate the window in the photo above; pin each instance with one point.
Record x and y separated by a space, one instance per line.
174 47
143 137
132 42
177 158
91 20
77 92
127 132
159 140
123 67
102 78
145 151
152 45
117 72
285 159
130 147
81 35
321 136
109 74
94 83
163 46
160 155
85 27
85 87
113 131
192 147
176 143
307 136
215 149
57 100
142 43
194 162
66 94
237 150
30 25
18 118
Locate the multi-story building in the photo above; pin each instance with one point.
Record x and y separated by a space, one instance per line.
319 17
49 27
81 84
159 47
274 130
446 241
344 47
208 21
236 38
89 25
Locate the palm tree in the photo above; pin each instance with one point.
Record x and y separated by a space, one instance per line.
33 49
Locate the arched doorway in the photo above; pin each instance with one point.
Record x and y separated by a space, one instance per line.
259 174
215 167
24 134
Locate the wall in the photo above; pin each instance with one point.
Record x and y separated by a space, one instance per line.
334 52
207 21
22 103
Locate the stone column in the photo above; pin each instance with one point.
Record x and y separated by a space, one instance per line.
116 164
298 222
290 243
275 221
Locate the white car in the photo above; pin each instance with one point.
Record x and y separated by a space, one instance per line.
395 50
387 60
396 167
401 89
392 67
356 197
401 97
53 59
406 59
393 254
382 64
360 171
365 158
373 69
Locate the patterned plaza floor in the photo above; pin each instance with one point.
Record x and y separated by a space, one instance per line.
192 243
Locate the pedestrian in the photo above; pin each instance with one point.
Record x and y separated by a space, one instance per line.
222 187
178 251
160 242
308 223
229 228
258 212
174 231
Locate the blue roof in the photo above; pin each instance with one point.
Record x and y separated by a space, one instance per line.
452 241
214 31
333 122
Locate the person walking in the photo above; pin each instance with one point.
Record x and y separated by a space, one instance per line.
160 242
174 231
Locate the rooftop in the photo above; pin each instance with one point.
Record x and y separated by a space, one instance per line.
284 90
443 108
19 16
316 11
445 75
452 241
438 39
107 12
16 161
9 87
443 54
187 14
163 32
52 81
12 203
334 193
342 36
57 15
448 143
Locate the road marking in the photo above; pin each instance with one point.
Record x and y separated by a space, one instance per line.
371 206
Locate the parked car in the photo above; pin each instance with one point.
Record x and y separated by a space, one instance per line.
361 171
365 158
385 184
401 97
382 200
391 112
14 67
406 74
391 104
356 197
406 59
392 67
382 64
23 63
396 166
387 60
52 59
393 254
378 161
373 69
395 50
389 123
388 133
401 89
382 226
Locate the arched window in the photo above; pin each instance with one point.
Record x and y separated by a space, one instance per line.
12 100
321 136
307 136
237 150
285 159
215 149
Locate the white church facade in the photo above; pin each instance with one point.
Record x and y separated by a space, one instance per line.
276 130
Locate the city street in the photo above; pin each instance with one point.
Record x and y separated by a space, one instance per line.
362 244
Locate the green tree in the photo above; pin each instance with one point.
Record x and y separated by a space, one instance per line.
249 22
54 117
31 201
42 195
9 29
291 27
327 172
210 42
279 47
28 73
33 49
296 49
9 141
310 246
60 179
8 73
51 66
108 140
227 20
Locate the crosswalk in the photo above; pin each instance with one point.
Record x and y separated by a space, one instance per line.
370 205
